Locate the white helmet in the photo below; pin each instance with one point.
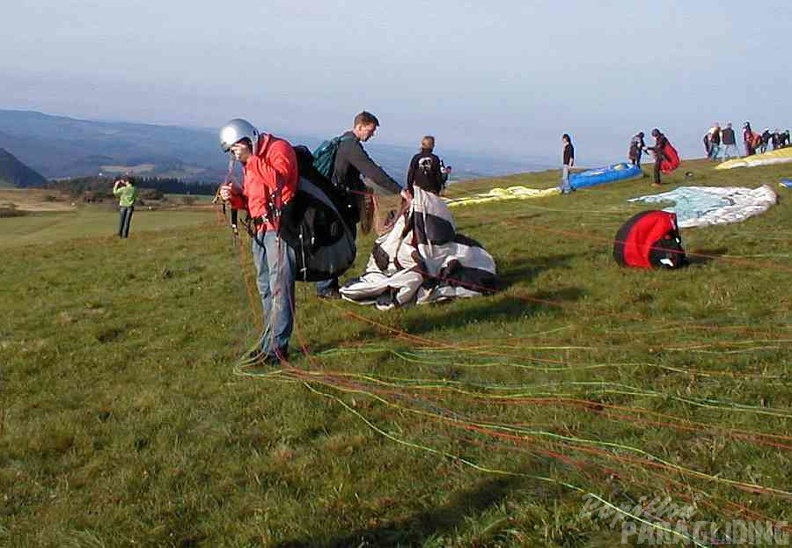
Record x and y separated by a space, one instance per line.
236 130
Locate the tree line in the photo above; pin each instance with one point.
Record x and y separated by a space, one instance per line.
155 187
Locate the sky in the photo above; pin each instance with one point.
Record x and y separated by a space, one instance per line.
502 77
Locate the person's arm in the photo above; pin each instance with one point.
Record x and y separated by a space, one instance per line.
437 172
365 165
411 172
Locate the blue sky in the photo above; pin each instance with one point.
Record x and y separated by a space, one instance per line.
502 76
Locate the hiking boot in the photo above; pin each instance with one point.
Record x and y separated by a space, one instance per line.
260 359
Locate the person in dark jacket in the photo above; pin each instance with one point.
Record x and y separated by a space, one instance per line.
426 169
659 153
353 170
714 142
766 136
729 140
637 146
568 159
749 139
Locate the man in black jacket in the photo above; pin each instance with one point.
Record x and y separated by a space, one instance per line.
729 140
426 169
352 167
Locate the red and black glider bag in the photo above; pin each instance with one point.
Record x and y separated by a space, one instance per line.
670 159
649 239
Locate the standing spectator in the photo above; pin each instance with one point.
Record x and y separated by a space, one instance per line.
749 139
766 135
270 181
126 191
715 141
637 146
659 153
568 157
426 170
783 139
706 141
729 140
351 165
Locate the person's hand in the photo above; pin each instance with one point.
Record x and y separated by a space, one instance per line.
406 196
225 192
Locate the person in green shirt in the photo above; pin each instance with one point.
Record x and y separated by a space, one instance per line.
127 193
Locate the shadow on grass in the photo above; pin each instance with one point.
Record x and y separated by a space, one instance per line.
490 309
705 256
494 309
529 269
415 530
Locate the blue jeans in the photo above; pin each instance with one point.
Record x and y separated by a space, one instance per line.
125 221
565 180
730 151
275 269
325 287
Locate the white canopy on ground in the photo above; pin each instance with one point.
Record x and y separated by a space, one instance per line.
697 206
423 259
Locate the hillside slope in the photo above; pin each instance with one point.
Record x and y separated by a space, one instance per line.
15 173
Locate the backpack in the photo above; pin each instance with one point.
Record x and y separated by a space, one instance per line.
670 159
325 155
649 239
323 244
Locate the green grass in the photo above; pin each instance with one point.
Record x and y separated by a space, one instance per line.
483 422
92 222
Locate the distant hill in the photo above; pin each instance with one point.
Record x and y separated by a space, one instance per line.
15 173
60 147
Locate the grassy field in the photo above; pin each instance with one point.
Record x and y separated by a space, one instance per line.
552 413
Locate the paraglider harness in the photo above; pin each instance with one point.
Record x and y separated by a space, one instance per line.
321 238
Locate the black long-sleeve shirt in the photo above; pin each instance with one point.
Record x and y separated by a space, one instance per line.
569 154
352 161
424 172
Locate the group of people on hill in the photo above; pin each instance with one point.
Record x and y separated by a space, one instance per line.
659 150
721 143
635 153
270 178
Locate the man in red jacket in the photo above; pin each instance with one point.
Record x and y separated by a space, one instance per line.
270 182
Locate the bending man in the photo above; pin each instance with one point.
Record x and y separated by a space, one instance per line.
270 181
352 163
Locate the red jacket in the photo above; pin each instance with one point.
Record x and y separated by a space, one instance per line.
269 172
